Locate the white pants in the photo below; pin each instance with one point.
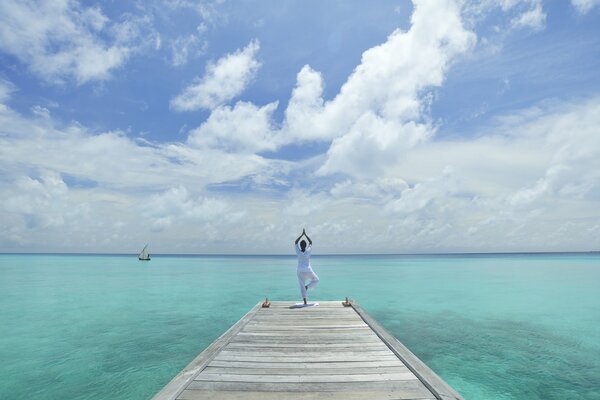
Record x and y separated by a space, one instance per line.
303 275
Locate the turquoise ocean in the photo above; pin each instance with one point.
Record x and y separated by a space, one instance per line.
518 326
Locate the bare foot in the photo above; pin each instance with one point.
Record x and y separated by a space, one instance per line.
304 301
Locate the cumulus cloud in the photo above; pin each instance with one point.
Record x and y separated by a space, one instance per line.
41 201
372 145
304 107
417 198
485 193
60 41
239 129
222 81
177 204
380 109
386 183
584 6
75 189
82 153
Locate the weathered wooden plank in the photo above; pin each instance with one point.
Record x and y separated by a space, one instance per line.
329 351
317 321
301 327
331 340
326 303
292 324
365 352
308 323
306 340
308 317
306 311
408 394
355 332
321 369
305 350
301 310
307 346
299 330
303 354
279 365
316 316
304 359
335 378
412 384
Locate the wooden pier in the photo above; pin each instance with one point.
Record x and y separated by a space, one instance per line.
328 351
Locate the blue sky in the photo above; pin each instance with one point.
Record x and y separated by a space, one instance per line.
226 127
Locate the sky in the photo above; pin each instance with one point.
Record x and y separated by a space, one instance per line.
225 127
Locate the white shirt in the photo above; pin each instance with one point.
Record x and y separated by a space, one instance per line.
303 257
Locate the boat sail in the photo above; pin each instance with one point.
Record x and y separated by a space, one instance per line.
144 255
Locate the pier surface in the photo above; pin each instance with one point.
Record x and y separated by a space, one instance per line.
328 351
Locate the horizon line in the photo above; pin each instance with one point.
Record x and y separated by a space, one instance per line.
314 255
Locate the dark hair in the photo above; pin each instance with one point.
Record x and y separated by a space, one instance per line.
303 245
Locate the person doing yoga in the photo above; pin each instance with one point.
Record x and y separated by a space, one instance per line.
304 270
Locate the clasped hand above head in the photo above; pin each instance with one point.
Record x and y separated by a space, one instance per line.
303 234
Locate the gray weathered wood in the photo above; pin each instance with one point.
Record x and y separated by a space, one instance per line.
407 394
306 371
314 378
346 364
306 346
412 384
329 351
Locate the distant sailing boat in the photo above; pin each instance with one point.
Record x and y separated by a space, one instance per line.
144 255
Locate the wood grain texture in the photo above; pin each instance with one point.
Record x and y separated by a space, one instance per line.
328 351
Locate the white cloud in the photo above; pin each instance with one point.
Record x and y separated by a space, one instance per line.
521 13
112 178
185 47
305 104
244 128
584 6
534 18
415 199
177 205
372 145
380 110
223 80
41 201
531 183
84 154
377 190
208 10
61 40
6 90
528 181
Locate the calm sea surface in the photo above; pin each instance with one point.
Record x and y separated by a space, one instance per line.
493 326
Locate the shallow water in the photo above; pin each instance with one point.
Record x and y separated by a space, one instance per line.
494 326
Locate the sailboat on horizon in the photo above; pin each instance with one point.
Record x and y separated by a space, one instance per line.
144 255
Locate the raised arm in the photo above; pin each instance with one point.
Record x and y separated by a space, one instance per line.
299 237
304 233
